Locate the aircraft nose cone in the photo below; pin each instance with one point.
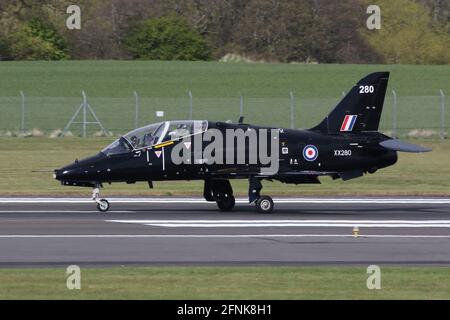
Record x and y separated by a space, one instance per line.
60 174
83 172
56 174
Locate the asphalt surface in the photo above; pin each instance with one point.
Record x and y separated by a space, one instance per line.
52 232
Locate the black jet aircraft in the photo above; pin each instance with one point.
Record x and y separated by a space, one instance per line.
345 145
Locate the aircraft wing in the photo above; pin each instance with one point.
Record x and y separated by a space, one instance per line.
308 173
245 173
398 145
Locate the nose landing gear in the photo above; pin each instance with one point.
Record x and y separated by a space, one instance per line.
102 204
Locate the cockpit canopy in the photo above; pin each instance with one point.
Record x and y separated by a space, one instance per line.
154 134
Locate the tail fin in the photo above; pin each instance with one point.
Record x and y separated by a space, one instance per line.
360 110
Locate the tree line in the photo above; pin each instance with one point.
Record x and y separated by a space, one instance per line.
322 31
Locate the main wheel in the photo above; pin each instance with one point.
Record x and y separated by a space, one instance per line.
226 204
264 204
103 205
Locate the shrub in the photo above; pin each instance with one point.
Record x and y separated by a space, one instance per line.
35 40
167 38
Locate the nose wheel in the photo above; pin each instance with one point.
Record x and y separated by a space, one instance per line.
102 204
264 204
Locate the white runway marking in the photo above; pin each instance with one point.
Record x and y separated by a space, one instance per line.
118 236
422 200
289 223
62 211
336 225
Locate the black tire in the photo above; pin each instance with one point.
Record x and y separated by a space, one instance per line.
226 204
264 204
103 205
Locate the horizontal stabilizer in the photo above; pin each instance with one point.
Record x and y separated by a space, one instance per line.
397 145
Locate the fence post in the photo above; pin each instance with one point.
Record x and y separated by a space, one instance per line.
241 106
84 113
190 105
84 106
442 115
136 118
22 118
292 99
394 115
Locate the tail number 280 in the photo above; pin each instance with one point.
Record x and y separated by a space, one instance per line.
366 89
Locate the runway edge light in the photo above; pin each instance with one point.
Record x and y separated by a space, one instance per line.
355 231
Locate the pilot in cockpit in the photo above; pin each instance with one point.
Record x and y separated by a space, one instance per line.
134 141
182 130
149 140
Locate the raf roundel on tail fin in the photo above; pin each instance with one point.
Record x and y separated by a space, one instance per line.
360 110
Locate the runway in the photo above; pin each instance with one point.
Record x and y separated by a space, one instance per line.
188 231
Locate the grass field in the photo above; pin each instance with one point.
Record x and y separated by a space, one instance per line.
53 92
206 79
414 174
227 283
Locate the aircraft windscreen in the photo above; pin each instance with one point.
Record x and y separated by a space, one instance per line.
117 147
145 136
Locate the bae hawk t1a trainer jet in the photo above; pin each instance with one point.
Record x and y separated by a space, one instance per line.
345 145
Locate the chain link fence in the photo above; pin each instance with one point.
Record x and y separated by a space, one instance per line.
403 116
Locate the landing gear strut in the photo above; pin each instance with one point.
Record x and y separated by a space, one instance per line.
102 204
263 204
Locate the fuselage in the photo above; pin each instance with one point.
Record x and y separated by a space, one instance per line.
300 155
345 145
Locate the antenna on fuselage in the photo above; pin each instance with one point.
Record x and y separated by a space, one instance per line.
241 120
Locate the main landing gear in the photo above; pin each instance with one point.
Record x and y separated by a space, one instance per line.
263 204
226 203
102 204
221 192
